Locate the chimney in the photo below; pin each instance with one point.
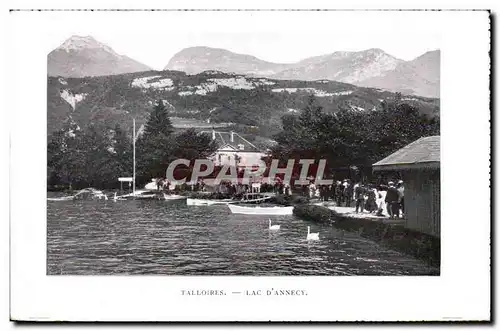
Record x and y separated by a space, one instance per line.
213 134
232 136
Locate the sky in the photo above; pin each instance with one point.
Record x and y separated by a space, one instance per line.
153 38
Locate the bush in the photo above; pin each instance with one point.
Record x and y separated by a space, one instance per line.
314 213
299 199
213 195
290 200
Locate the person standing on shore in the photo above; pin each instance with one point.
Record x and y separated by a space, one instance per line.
371 205
333 190
348 194
392 201
166 186
312 190
339 192
380 200
287 190
401 194
359 196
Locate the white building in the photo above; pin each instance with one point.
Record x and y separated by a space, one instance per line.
234 150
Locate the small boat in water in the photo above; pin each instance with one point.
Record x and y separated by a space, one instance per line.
208 202
255 197
140 194
151 195
277 210
67 198
85 194
173 197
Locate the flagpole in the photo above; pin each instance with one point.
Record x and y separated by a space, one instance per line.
133 177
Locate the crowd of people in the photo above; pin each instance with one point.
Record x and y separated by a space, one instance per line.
365 197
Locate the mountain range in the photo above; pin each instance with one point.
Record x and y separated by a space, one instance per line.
370 68
84 56
251 106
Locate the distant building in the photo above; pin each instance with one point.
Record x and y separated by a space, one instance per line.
234 150
419 166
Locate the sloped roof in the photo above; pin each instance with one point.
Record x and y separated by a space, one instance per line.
223 139
422 153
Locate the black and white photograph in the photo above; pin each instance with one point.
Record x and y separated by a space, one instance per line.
372 116
248 146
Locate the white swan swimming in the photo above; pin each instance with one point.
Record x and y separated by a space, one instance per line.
312 236
273 227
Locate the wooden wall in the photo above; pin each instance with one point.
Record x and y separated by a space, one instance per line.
422 200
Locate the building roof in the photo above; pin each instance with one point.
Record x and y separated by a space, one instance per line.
224 141
422 153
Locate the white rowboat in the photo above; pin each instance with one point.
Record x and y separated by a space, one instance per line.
68 198
207 202
173 197
85 194
261 210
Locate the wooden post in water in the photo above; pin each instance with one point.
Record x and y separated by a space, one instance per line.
133 177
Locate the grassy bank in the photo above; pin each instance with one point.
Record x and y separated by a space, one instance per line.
397 237
289 200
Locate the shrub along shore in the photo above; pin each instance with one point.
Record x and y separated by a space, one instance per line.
394 236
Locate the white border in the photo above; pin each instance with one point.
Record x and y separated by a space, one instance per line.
461 292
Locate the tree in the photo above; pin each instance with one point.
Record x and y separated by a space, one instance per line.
66 157
153 155
103 167
347 138
158 121
123 155
192 145
154 147
55 155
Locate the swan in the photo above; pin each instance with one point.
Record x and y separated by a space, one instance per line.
312 236
273 227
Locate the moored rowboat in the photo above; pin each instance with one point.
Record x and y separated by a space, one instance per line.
261 210
68 198
173 197
207 202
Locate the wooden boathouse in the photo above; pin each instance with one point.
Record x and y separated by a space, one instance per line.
419 166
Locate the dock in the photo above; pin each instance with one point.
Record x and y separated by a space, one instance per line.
351 213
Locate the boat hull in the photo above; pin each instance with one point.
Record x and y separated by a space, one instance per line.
69 198
261 210
173 197
207 202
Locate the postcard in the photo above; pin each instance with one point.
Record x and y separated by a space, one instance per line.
249 165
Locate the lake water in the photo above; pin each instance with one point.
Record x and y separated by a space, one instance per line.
171 238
